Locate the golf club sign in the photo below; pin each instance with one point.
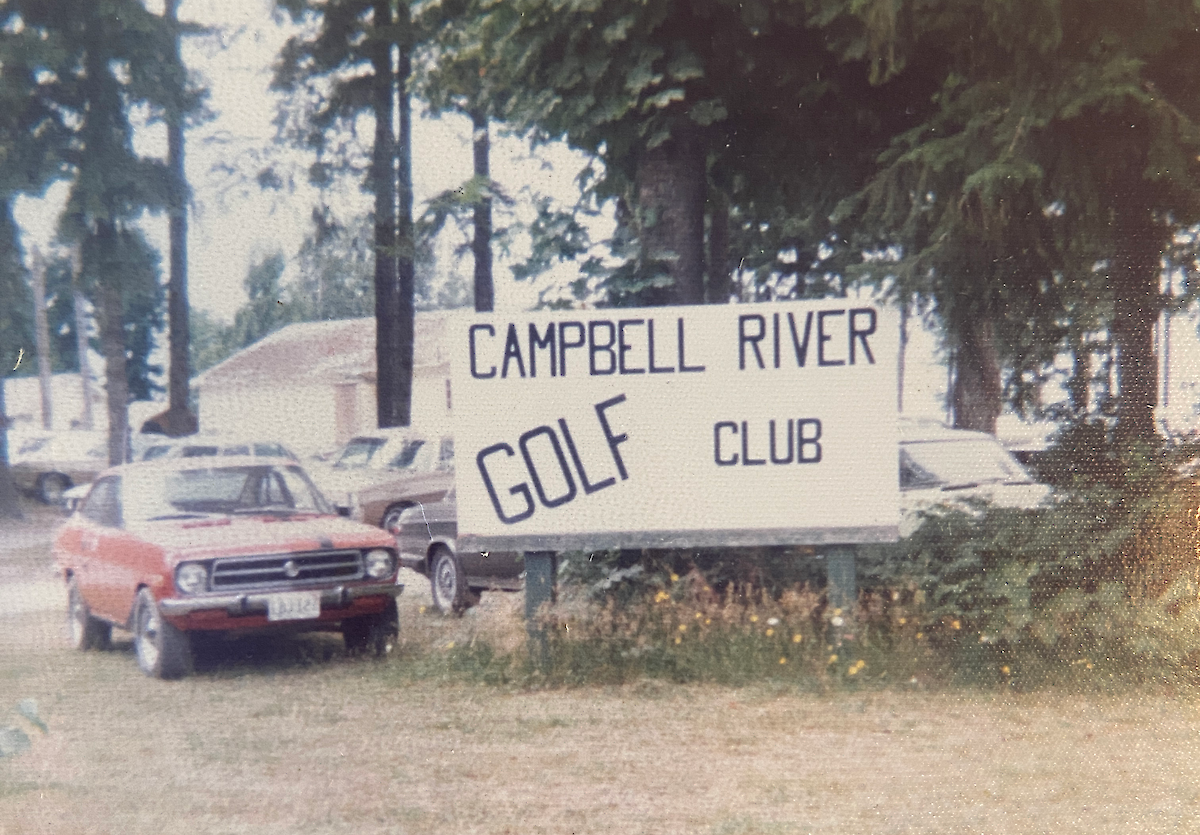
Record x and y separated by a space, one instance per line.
676 426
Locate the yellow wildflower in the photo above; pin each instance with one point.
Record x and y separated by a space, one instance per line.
920 635
770 632
797 638
832 659
450 645
661 596
674 577
903 621
683 627
421 610
955 625
1005 669
754 618
782 660
698 616
678 639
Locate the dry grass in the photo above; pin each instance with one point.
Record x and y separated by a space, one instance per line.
288 736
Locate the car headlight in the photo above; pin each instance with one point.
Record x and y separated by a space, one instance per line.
191 577
378 563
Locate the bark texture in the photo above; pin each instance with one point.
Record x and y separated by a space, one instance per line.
977 392
481 245
671 191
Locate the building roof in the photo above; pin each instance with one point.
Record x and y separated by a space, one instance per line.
341 350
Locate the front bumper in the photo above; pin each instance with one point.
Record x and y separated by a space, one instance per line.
255 603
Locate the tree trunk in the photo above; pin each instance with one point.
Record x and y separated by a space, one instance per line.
718 287
86 421
671 187
180 420
406 238
481 246
41 331
977 393
383 177
1080 383
112 344
10 505
1136 305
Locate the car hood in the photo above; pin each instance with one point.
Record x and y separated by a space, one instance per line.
249 535
1017 494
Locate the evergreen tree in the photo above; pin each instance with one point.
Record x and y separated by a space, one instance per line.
1063 134
355 58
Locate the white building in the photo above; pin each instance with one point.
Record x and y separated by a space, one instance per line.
312 385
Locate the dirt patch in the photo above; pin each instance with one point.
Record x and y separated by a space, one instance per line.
290 736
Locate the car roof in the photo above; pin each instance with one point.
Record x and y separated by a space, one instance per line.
204 462
928 430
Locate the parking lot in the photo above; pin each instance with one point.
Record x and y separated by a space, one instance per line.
289 735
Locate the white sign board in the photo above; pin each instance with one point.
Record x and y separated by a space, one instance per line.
676 426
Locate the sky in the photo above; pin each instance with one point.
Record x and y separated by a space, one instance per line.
233 223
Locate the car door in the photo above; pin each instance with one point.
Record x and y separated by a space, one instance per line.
98 516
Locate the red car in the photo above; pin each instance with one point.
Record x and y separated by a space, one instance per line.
166 549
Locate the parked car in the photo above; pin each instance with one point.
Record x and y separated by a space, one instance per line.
943 466
938 466
169 549
201 446
425 535
193 446
376 476
47 466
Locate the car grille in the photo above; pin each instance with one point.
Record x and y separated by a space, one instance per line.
286 570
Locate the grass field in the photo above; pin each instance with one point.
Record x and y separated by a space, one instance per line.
289 736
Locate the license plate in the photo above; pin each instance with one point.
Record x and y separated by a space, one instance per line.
294 605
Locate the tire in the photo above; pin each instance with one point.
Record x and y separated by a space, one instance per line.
448 585
162 650
373 634
51 486
85 632
391 518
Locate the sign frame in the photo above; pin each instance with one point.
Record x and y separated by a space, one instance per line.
578 387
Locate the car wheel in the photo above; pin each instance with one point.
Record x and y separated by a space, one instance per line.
373 634
448 585
85 631
162 650
51 486
391 518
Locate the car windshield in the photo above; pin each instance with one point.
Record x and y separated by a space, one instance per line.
957 463
164 494
359 451
406 457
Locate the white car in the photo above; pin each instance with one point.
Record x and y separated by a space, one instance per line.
192 446
48 465
943 466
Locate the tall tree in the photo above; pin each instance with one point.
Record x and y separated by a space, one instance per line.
179 419
33 135
355 58
1064 134
461 44
111 56
723 128
16 333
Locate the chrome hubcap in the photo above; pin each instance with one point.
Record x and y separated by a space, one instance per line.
147 637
